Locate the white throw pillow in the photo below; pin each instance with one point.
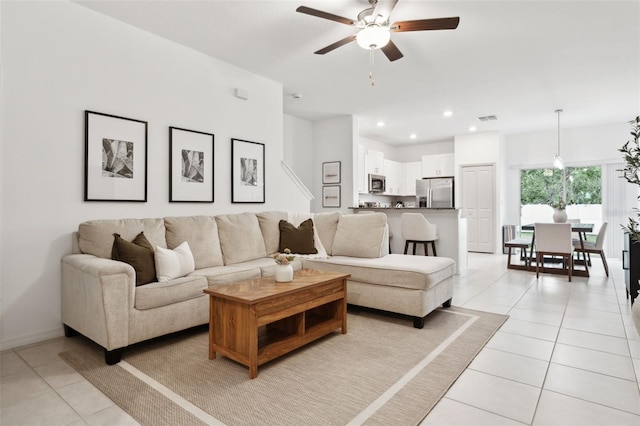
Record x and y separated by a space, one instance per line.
174 263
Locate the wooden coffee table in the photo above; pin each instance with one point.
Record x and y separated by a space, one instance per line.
255 321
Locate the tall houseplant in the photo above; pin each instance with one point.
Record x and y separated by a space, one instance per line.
631 151
631 172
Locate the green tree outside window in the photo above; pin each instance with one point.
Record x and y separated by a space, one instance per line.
545 186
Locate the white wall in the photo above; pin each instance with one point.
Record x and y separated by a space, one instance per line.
388 151
59 59
578 146
335 139
298 148
411 153
408 153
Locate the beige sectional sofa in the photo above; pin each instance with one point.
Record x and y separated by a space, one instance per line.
101 301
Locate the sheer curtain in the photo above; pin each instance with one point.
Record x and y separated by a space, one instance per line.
618 200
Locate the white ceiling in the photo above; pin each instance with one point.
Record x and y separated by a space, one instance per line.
518 60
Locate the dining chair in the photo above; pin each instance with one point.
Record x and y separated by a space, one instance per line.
576 237
554 239
416 229
595 248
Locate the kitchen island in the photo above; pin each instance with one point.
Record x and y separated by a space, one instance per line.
452 230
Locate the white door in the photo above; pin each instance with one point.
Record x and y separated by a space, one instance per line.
478 195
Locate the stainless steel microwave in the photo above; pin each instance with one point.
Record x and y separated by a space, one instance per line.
377 183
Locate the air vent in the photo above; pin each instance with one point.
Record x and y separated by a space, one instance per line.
488 118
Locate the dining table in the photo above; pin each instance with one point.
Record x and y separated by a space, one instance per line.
579 228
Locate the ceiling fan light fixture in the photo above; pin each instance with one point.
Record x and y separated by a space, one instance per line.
373 36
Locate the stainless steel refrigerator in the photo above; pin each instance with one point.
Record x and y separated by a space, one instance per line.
435 193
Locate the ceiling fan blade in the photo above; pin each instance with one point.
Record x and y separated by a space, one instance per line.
391 51
325 15
426 24
335 45
384 8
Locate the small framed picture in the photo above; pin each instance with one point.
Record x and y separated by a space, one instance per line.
247 171
191 161
331 172
115 166
331 196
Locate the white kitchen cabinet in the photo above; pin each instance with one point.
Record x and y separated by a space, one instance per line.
410 172
440 165
392 174
363 184
376 162
447 165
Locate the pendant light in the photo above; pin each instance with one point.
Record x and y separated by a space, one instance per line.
557 162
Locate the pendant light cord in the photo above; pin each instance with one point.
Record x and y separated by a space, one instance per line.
558 111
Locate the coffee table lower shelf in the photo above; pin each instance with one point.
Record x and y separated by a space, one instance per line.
254 330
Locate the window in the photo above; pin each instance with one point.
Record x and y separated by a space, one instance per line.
581 187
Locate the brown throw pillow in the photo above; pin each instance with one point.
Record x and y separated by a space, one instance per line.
299 240
137 253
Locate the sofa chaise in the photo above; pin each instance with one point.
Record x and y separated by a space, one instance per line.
103 299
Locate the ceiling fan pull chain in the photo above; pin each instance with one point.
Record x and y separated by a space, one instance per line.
373 81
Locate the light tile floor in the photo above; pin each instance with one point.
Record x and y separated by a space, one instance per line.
568 355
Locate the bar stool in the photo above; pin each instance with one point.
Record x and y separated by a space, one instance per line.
416 229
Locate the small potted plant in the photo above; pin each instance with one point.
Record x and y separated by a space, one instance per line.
284 270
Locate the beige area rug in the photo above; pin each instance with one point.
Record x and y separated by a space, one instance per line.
382 372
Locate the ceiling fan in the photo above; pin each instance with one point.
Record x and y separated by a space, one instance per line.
375 30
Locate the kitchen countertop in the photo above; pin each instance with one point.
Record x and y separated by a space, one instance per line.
404 208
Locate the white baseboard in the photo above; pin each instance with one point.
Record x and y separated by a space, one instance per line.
29 339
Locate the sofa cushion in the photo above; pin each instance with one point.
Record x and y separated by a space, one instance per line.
169 292
360 235
201 232
396 270
137 253
298 239
240 238
219 275
326 225
171 264
96 236
269 222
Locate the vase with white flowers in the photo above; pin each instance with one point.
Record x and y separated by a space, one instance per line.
284 269
559 213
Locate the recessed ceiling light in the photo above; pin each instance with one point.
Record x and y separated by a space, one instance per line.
380 123
473 128
413 136
447 113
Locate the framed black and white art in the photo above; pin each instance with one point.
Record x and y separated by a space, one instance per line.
115 166
331 172
331 196
191 162
247 171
